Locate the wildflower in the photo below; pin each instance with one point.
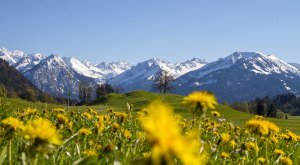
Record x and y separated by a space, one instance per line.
165 135
274 139
116 126
85 131
286 161
224 155
279 152
225 137
90 152
232 143
41 129
92 111
251 145
62 119
29 111
88 115
292 136
12 123
59 110
126 133
262 127
261 160
215 113
258 117
200 101
100 123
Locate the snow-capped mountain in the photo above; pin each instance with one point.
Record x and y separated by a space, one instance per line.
296 65
140 77
242 76
11 57
54 76
28 62
100 72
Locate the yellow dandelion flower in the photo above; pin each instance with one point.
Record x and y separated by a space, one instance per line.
92 111
59 110
126 133
274 139
41 129
233 143
88 115
262 127
12 123
62 119
286 161
29 111
258 117
85 131
225 137
292 136
251 146
116 126
90 153
279 152
100 123
200 99
164 134
215 113
224 155
262 160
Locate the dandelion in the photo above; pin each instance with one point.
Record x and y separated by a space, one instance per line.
215 113
62 119
126 133
88 115
261 160
165 136
41 129
232 143
286 161
85 131
200 101
224 155
225 137
262 127
100 123
12 123
278 152
59 110
292 136
90 152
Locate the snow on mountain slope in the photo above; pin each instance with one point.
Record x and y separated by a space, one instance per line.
28 62
296 65
140 77
100 72
242 76
11 57
52 75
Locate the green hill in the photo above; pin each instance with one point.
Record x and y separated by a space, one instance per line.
140 99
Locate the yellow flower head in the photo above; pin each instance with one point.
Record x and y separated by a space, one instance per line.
90 152
215 113
279 152
62 119
165 135
286 161
261 160
85 131
292 136
262 127
59 110
100 123
41 129
225 137
224 155
12 123
202 99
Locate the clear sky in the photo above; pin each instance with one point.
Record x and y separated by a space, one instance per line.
136 30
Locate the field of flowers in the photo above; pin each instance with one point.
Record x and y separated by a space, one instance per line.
154 135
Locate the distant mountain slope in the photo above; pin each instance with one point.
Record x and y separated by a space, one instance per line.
242 76
296 65
15 83
11 57
140 77
52 75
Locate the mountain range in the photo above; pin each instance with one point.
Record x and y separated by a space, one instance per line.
238 77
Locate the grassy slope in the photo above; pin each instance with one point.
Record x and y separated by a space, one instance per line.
140 99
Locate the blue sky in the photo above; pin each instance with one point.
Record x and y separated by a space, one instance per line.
136 30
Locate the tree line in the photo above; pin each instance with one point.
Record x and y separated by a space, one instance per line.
276 107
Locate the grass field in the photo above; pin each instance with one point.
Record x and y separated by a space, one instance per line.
140 99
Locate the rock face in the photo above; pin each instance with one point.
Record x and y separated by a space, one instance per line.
242 76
